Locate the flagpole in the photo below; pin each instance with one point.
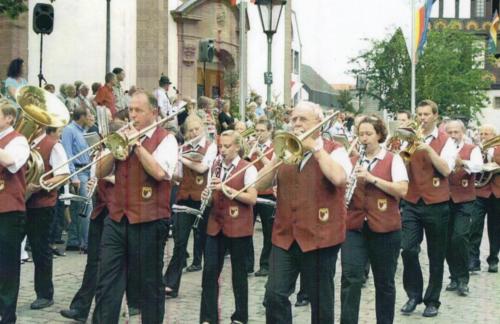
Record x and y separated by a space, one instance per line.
413 58
243 59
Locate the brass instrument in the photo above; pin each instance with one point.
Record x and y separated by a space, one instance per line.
191 155
248 132
413 135
489 170
353 180
39 108
118 144
288 150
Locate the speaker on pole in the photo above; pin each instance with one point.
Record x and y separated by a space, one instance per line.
43 18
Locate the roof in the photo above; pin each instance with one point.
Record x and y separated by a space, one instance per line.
313 80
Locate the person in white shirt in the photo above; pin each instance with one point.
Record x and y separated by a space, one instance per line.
161 95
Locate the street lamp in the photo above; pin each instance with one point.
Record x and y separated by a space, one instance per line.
269 12
360 87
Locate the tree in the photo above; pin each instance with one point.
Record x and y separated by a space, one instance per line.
345 100
12 8
450 72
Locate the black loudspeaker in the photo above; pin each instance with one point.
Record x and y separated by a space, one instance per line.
206 50
43 18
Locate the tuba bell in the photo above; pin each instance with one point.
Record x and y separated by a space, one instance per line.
38 108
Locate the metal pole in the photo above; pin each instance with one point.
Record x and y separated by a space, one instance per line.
413 57
40 75
269 52
243 59
108 36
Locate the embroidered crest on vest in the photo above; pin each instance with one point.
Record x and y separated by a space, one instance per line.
382 204
465 183
199 180
234 211
2 184
323 214
436 182
146 192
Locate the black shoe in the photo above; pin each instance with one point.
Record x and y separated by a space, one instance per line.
74 315
493 268
463 289
60 242
171 294
193 268
410 306
262 273
452 286
430 311
133 311
474 266
56 251
72 248
40 303
302 302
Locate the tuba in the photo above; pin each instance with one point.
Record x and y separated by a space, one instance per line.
39 108
489 170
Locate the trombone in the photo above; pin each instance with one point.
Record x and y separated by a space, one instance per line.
116 142
288 149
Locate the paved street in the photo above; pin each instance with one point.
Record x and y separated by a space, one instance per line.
482 305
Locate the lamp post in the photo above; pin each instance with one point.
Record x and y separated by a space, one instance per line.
360 87
269 12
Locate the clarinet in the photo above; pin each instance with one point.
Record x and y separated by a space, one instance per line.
205 202
353 180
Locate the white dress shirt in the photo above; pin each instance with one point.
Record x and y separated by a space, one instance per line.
163 101
449 151
475 164
57 156
227 170
339 155
18 148
398 168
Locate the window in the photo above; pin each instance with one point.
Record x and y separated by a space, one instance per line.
497 103
480 8
296 62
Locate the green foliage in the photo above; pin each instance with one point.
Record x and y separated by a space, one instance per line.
12 8
345 100
450 72
231 91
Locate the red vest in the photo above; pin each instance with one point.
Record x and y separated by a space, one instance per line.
104 195
12 186
259 165
462 187
310 209
234 218
138 195
493 187
193 182
425 181
380 208
44 198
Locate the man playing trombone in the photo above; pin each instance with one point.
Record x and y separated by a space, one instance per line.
310 220
136 228
194 179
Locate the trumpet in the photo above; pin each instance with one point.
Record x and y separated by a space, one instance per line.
288 149
118 144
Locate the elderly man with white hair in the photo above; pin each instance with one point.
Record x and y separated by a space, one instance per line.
462 199
487 202
310 221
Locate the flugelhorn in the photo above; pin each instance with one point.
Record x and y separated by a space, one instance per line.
118 144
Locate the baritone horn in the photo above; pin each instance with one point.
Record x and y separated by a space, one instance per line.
118 144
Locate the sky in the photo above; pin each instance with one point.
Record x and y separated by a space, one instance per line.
333 31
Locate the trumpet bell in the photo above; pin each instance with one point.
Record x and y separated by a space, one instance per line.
288 148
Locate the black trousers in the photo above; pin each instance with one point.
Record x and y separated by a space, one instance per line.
382 250
12 231
483 206
317 270
38 224
212 268
457 252
433 219
121 244
266 213
58 222
183 226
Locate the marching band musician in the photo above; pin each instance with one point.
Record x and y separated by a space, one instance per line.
310 221
373 224
230 227
40 213
487 202
136 228
194 180
14 152
263 132
426 208
463 195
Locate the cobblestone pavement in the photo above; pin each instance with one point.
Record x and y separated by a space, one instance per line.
481 306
